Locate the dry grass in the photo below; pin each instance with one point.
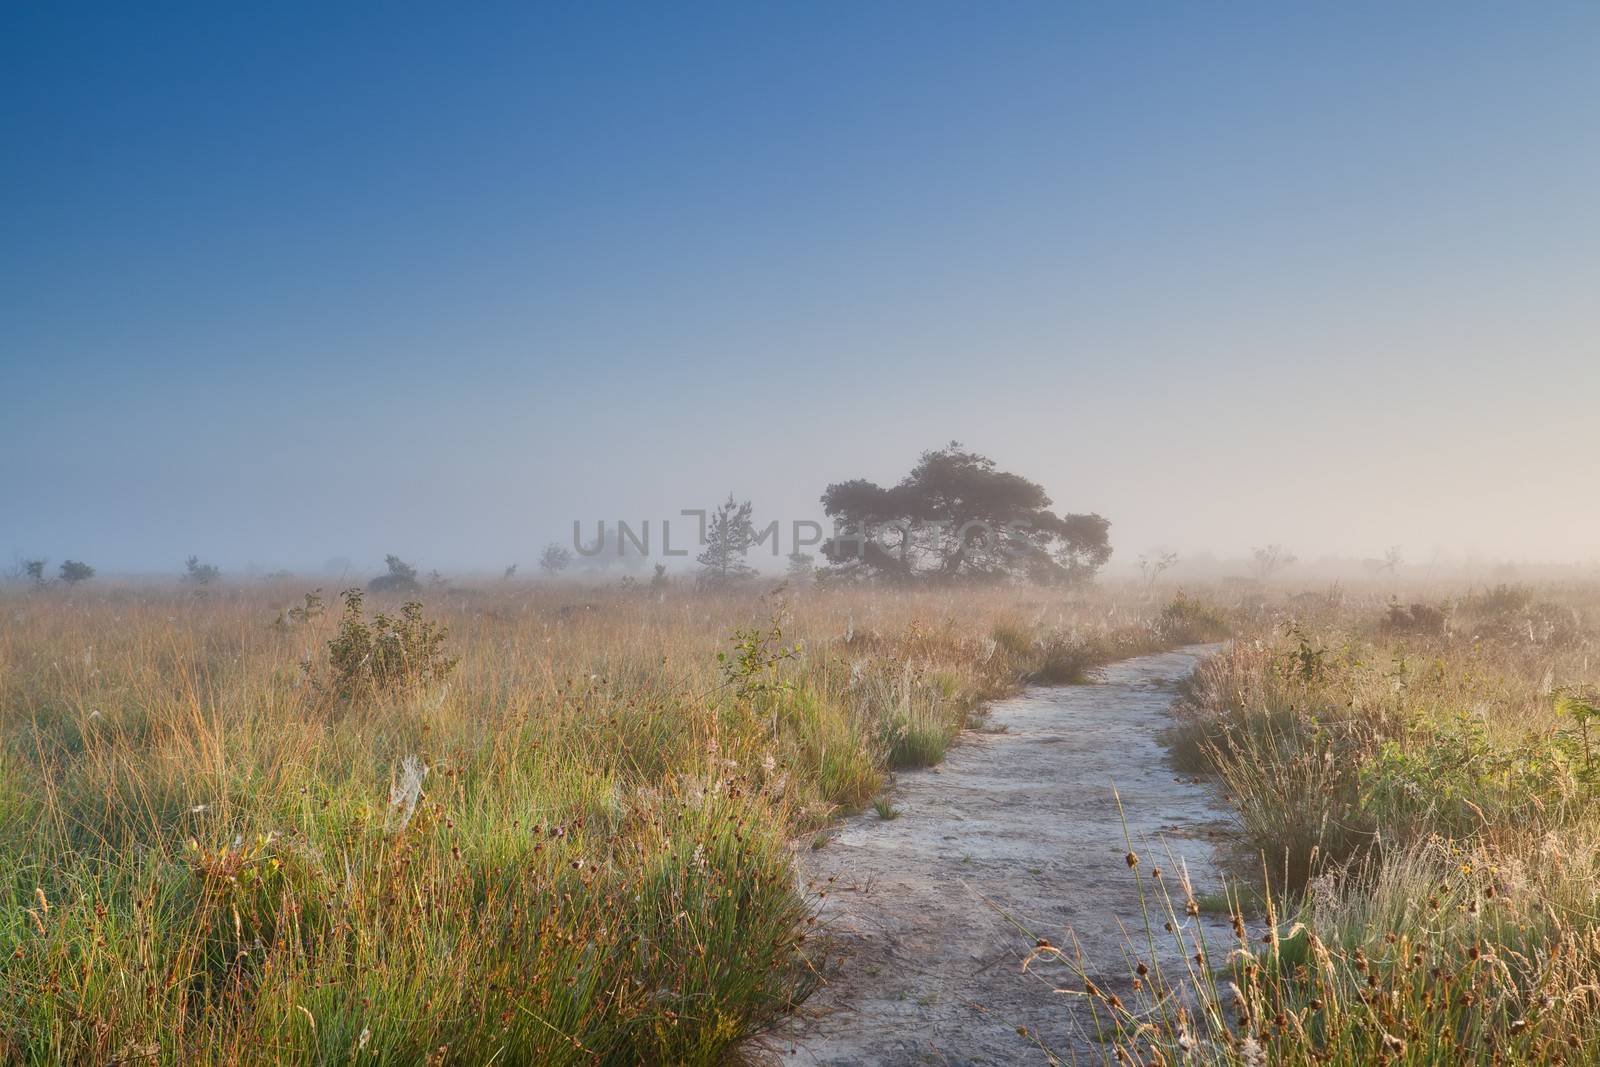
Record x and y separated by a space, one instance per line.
213 851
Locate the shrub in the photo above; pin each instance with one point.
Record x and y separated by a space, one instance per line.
1421 620
1188 620
388 655
1510 614
310 611
402 577
1063 661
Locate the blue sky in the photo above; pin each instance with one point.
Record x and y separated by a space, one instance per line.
285 282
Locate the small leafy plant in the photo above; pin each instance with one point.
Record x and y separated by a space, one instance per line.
1306 663
1582 739
752 669
310 611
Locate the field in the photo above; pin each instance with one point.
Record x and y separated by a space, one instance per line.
538 823
249 826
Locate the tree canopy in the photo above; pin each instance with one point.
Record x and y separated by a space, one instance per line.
957 516
75 571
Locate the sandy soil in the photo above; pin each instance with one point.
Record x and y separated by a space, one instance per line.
1019 827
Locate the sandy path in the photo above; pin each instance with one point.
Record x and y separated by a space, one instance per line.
1020 818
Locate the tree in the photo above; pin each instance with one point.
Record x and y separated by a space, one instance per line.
35 570
510 573
802 567
1265 562
1152 566
555 559
402 577
72 572
730 531
958 516
200 573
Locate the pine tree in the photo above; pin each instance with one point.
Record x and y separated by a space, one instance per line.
729 533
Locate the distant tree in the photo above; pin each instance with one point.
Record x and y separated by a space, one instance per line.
402 577
72 572
199 573
730 531
1154 564
34 568
554 559
1082 546
1390 562
802 567
659 580
957 516
1267 561
511 572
